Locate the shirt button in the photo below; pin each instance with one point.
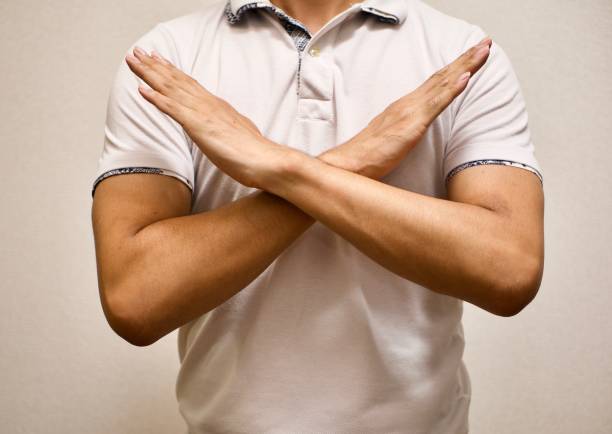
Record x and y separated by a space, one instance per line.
314 51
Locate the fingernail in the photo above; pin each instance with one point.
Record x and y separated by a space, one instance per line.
132 58
143 89
140 51
484 41
464 77
482 50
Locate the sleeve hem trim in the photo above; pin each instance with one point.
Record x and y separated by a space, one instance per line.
494 161
138 169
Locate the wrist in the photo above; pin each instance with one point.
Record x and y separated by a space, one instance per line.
337 157
333 158
282 169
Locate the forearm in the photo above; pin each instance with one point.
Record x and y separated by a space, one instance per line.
180 268
453 248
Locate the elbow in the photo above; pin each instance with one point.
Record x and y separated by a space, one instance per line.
513 306
128 321
518 288
138 339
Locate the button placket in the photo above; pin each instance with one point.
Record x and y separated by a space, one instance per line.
317 78
316 88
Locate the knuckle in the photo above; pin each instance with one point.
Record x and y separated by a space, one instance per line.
471 52
434 102
439 75
166 86
170 104
147 65
154 95
175 74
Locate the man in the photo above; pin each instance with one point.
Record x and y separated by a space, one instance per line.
340 178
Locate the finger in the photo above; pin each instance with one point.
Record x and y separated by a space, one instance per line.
161 76
144 66
438 97
183 115
181 79
471 60
160 58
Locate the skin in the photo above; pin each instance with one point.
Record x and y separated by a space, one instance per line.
159 266
313 13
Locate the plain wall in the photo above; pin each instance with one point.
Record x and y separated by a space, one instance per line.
63 370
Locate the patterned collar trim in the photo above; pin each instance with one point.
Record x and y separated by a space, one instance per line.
387 11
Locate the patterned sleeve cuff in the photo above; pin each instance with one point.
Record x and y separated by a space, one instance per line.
126 170
490 161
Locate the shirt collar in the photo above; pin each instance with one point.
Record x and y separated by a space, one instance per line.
392 11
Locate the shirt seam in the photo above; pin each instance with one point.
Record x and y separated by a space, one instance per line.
479 162
137 169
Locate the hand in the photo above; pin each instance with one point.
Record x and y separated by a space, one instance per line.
384 142
229 139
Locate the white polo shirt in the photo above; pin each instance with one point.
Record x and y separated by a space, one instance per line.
325 340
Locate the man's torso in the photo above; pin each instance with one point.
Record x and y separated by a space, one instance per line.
325 340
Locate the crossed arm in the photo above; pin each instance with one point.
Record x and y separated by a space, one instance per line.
160 266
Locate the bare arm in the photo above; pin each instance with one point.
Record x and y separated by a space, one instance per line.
484 245
159 267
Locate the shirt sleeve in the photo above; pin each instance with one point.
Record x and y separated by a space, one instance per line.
490 124
138 137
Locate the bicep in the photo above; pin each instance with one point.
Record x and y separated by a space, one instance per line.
513 193
123 205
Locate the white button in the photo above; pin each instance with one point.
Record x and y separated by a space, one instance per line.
314 51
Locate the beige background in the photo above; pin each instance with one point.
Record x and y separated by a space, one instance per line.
62 370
